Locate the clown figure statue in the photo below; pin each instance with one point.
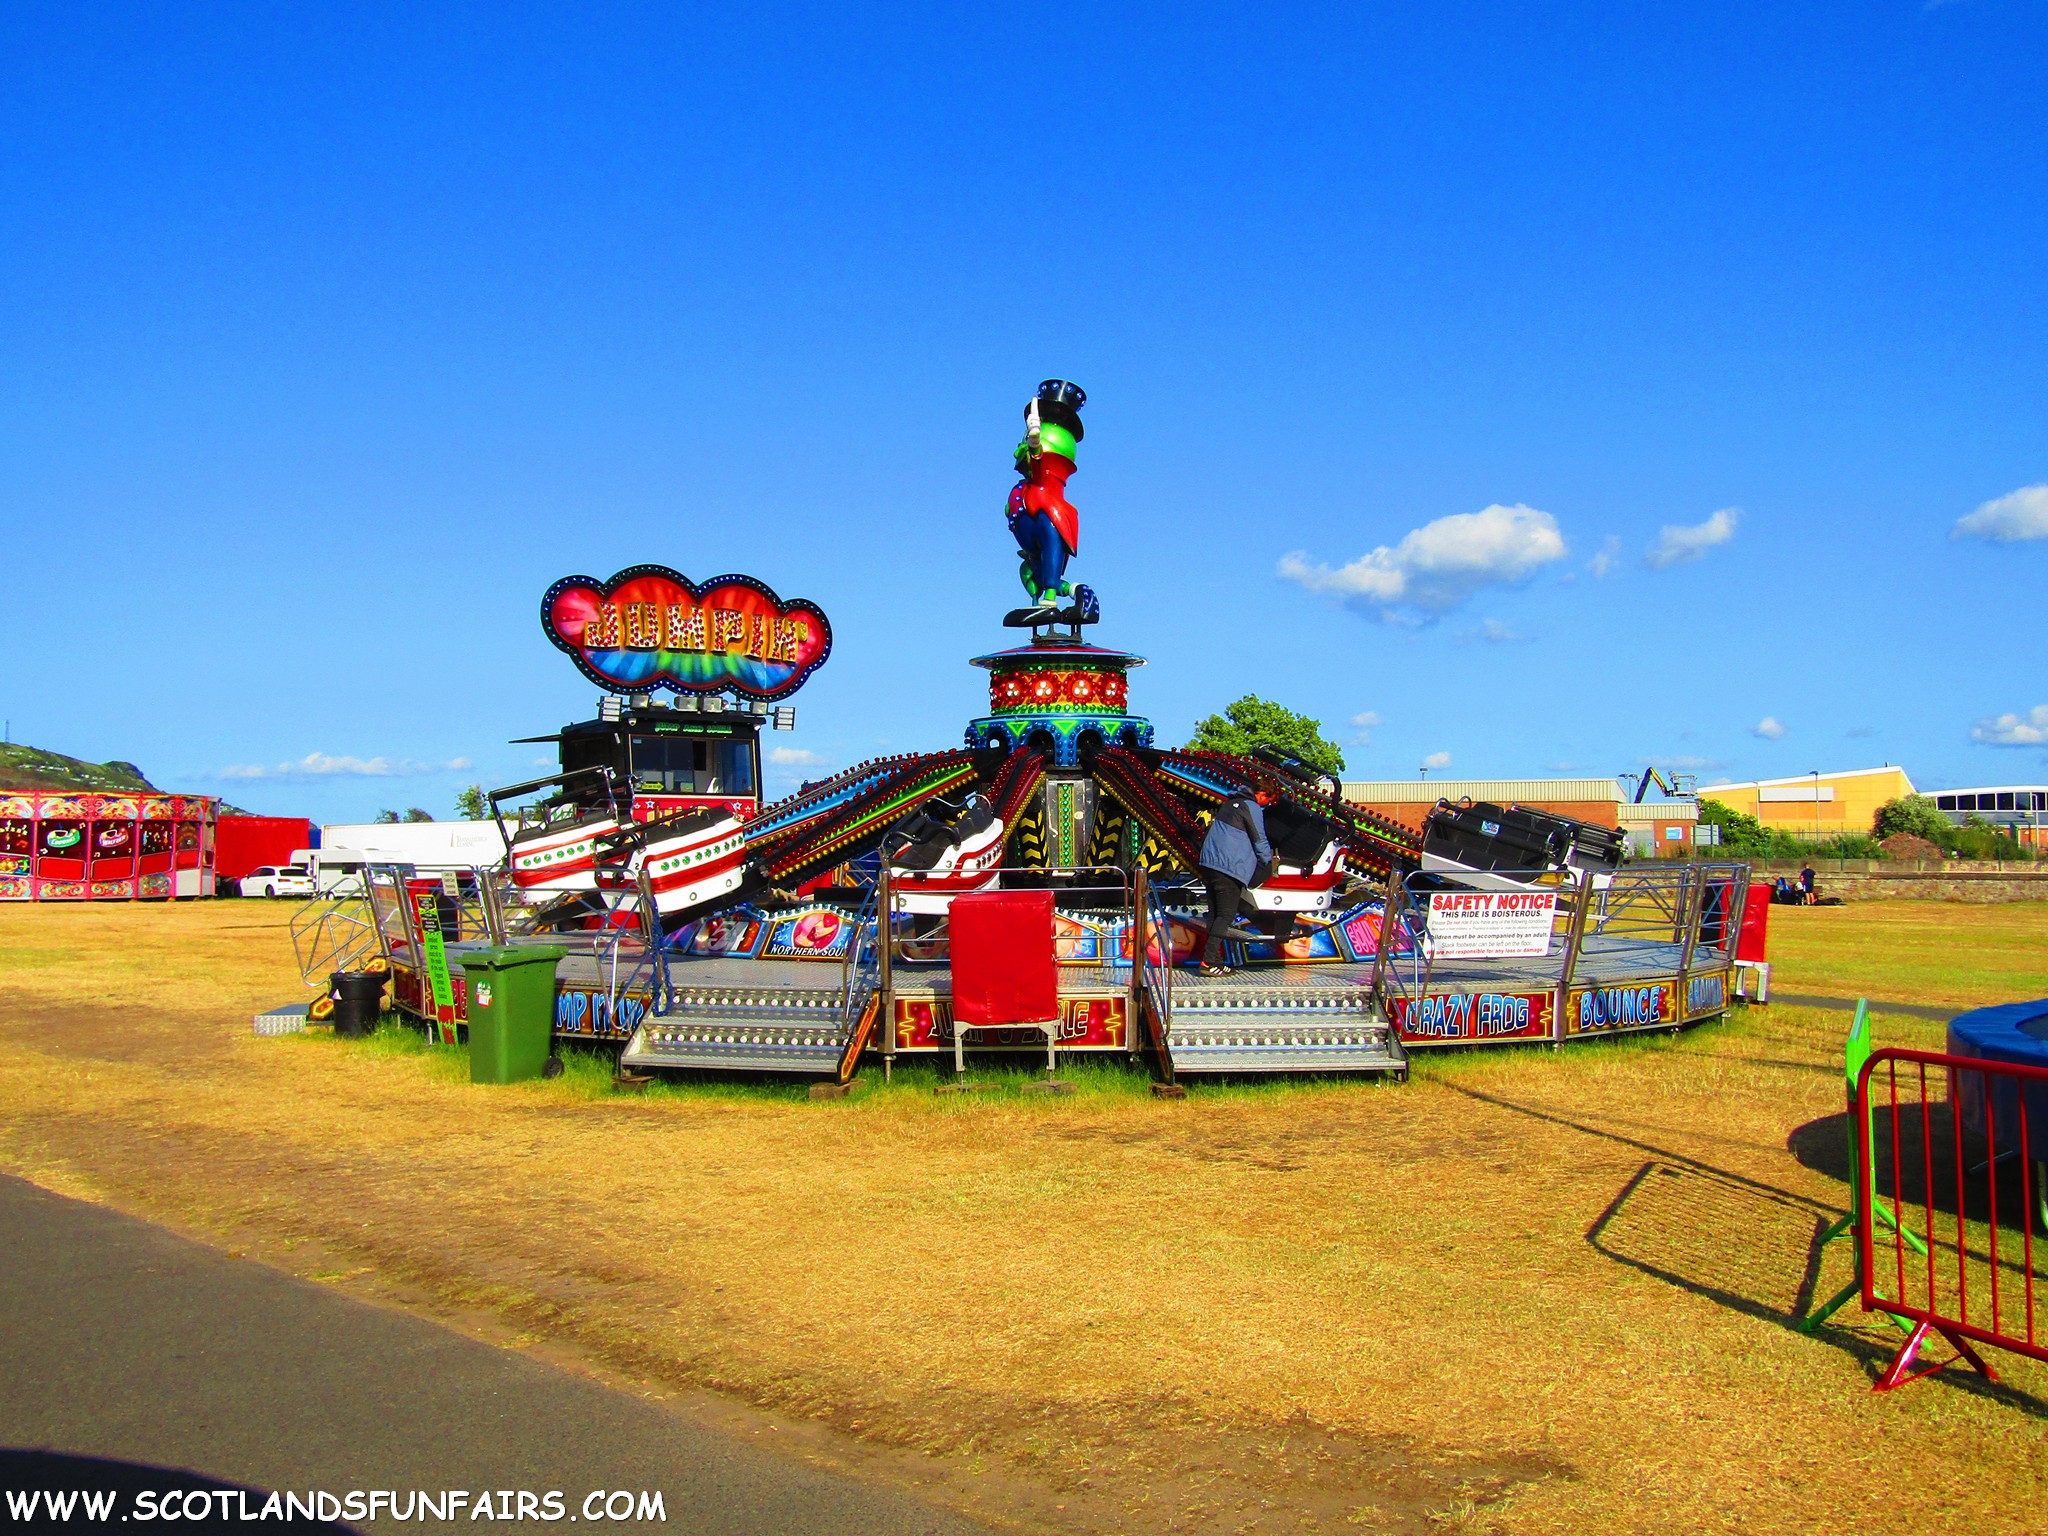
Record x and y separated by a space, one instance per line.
1043 521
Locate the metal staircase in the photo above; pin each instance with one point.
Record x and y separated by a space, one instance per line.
753 1016
1296 1019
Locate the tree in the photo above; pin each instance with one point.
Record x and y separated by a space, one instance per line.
1979 839
1742 837
385 818
1256 722
415 813
470 804
1916 814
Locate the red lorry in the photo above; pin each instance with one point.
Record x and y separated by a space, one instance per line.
245 843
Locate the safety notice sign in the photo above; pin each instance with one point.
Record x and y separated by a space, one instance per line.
1490 925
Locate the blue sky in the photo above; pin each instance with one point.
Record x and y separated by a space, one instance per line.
1524 390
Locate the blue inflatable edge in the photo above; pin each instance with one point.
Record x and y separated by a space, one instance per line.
1994 1034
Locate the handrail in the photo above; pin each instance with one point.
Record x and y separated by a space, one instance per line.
892 887
1158 978
330 934
860 958
861 991
1663 904
608 775
656 938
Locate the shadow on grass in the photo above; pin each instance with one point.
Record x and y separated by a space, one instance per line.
1739 1242
590 1073
1922 1164
1747 1249
1661 1154
1751 1250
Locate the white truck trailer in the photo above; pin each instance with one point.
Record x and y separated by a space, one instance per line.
430 847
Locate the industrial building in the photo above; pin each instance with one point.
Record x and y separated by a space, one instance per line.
1815 805
1663 828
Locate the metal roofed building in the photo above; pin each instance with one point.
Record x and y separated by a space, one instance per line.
1661 827
1408 800
1665 829
1815 805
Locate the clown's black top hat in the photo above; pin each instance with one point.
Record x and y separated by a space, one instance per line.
1061 402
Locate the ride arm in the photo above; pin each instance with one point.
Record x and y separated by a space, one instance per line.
858 826
515 791
1131 780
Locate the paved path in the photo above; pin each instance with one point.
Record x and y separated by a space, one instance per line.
121 1340
1918 1010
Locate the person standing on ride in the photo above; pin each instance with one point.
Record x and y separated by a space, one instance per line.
1235 855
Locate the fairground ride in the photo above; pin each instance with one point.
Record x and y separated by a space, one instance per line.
711 932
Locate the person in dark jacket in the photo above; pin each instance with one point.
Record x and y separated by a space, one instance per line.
1235 856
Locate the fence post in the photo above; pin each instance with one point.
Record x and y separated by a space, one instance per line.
1693 902
1574 937
1140 940
885 935
1379 954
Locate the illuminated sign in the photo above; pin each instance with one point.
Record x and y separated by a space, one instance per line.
1469 1017
1635 1005
650 627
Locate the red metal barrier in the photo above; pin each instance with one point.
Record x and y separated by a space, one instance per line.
1963 1169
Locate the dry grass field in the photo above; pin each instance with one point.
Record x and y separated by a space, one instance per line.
1526 1292
1905 951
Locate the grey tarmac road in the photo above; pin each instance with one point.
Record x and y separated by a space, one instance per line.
121 1340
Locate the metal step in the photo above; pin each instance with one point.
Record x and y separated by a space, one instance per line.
743 1030
1280 1031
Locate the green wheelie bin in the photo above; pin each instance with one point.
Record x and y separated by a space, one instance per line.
511 1007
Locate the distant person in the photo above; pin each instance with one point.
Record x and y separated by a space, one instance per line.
1806 892
1236 855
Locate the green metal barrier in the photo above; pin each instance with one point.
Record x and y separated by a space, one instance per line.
1855 1052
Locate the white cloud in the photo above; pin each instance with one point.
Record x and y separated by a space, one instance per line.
1439 565
1680 762
1363 725
1493 632
1437 760
1606 560
2017 515
1676 543
2028 730
793 757
320 765
1768 728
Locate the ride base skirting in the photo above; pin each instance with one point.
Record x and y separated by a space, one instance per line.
774 996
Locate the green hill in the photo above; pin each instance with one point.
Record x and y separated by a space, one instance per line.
32 768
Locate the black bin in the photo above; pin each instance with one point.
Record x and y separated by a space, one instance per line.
358 1000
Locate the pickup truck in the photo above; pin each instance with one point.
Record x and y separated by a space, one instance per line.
277 880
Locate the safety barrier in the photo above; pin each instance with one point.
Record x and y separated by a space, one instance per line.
1646 946
332 933
1952 1145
